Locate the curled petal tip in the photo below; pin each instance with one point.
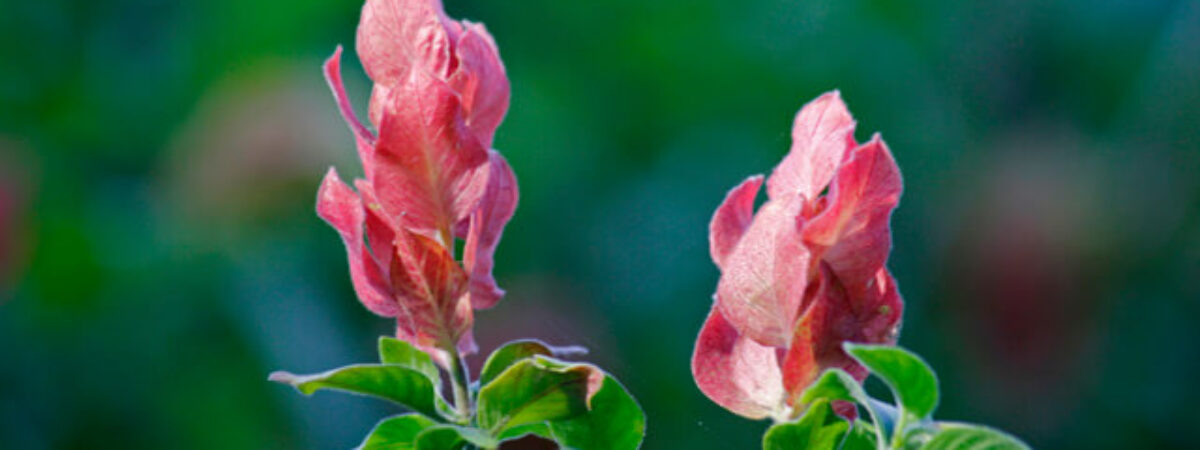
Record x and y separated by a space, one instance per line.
333 77
732 218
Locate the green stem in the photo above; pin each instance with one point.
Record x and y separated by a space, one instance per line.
898 431
459 382
881 442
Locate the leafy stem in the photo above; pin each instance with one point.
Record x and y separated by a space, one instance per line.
915 393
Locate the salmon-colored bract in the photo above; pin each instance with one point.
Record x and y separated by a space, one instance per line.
431 176
805 272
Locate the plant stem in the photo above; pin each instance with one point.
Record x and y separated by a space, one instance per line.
459 382
898 431
880 442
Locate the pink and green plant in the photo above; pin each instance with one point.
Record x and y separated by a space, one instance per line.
806 308
432 178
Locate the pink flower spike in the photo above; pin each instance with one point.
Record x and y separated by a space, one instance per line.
821 135
732 218
342 209
487 224
806 272
439 92
736 372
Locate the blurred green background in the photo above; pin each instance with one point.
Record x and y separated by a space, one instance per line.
159 253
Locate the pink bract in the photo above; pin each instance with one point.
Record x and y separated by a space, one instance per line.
805 272
440 91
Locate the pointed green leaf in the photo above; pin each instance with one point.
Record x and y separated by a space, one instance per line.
396 432
614 422
834 384
401 385
534 390
818 429
507 355
961 436
395 351
911 380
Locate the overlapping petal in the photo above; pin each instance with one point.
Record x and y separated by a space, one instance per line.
429 170
853 232
732 219
764 278
737 373
821 135
338 205
430 284
878 310
380 228
396 37
827 321
487 223
480 81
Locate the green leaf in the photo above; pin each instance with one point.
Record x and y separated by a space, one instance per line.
507 355
398 384
860 437
834 384
534 390
819 428
961 436
614 422
395 351
539 429
396 432
439 439
911 380
450 437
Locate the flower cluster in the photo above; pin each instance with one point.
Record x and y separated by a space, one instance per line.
431 177
804 273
